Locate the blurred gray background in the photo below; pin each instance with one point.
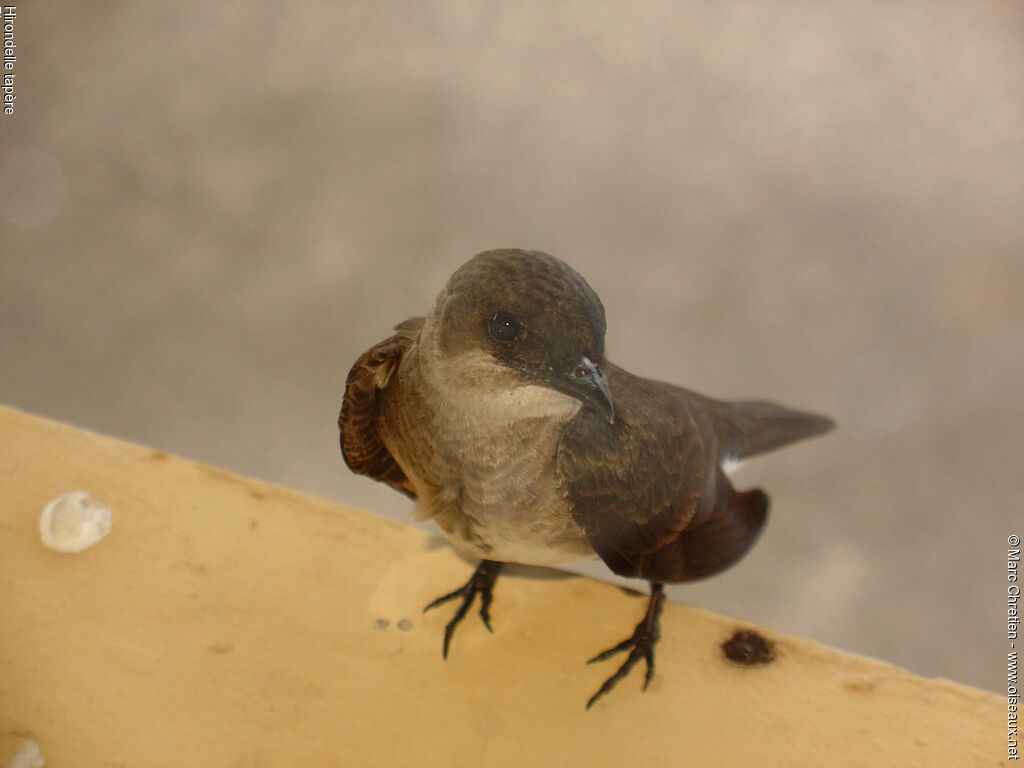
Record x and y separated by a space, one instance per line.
208 210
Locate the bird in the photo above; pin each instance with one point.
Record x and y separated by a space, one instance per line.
500 416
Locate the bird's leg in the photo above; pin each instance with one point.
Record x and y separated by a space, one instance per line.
640 645
481 582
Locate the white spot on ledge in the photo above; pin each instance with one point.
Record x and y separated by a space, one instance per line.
28 756
73 521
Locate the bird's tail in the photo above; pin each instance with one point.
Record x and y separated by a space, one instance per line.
752 427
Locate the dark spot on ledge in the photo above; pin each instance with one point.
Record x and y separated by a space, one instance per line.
404 624
748 648
381 623
220 648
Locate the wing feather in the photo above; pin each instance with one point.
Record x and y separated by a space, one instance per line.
648 491
361 445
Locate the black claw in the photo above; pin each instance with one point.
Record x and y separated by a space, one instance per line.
485 606
610 683
649 659
443 599
481 582
640 646
627 643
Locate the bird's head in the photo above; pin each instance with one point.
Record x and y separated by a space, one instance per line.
533 316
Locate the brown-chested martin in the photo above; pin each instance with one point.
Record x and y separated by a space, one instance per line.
499 414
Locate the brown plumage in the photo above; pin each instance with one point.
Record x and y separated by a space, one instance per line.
500 416
361 445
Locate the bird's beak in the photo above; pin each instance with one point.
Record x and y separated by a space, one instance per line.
586 382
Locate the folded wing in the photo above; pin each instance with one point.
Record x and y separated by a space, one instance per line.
649 492
361 445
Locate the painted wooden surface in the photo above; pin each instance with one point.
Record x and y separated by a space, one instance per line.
227 622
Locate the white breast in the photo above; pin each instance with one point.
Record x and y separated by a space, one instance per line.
490 482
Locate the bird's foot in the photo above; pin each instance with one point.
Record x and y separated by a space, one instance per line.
640 646
481 582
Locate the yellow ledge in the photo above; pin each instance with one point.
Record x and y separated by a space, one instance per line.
228 622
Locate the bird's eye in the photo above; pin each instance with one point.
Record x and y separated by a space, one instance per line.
504 328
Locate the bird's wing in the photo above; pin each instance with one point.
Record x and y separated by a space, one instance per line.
752 427
361 444
648 491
